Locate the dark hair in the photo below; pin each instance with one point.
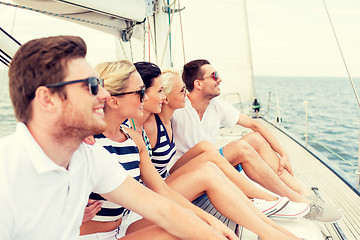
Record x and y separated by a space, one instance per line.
37 63
148 72
192 71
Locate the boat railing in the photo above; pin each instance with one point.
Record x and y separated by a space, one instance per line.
278 116
233 98
358 170
351 82
306 135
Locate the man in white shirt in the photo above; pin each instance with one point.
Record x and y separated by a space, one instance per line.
256 152
47 173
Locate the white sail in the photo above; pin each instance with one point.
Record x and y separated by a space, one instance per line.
218 31
214 30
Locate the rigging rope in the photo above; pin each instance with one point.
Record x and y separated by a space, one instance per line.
172 12
182 34
153 38
149 36
123 49
352 85
131 51
144 42
13 23
169 5
342 55
333 152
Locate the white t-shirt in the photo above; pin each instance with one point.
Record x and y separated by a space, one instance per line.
189 129
41 200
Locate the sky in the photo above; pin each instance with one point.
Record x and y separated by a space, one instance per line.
295 37
288 37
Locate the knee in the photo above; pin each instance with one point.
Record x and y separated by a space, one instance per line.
206 146
243 149
209 170
207 176
255 139
213 156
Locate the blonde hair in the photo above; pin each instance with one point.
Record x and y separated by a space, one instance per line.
167 76
115 75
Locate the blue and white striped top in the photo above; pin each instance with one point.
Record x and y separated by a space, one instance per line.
163 150
127 154
127 124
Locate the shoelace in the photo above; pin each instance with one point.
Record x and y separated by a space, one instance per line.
319 209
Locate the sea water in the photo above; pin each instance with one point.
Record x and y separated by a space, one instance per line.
333 113
7 119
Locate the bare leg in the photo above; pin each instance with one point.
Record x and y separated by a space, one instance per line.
247 187
257 170
195 178
152 232
196 150
257 142
241 152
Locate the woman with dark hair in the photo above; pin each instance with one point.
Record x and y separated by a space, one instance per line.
184 179
188 182
127 96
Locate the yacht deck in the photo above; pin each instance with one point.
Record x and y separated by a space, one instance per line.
312 173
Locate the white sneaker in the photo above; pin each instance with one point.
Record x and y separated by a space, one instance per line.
323 212
270 207
292 210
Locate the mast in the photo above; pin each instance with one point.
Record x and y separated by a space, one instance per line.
255 103
248 54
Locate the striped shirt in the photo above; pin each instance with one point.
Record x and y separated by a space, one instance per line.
127 154
163 150
127 124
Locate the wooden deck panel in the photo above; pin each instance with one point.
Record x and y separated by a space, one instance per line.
204 203
312 172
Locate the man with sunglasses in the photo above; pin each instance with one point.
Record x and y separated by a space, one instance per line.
47 173
201 120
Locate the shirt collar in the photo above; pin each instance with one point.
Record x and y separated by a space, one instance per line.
41 162
187 101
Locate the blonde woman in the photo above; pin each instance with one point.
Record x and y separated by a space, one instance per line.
183 185
127 96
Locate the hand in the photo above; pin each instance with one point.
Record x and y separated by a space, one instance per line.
89 140
92 207
284 163
221 228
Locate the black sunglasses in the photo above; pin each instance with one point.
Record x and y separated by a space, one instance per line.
93 83
141 93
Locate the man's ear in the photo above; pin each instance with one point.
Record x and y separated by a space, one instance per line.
197 84
46 98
